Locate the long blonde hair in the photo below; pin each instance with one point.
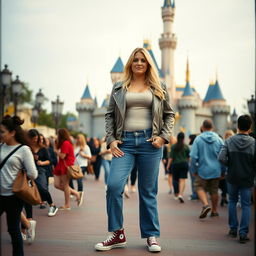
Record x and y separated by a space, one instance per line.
152 78
80 141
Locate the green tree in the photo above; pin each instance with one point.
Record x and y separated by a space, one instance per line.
26 96
46 119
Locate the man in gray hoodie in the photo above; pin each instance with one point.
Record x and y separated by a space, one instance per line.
238 153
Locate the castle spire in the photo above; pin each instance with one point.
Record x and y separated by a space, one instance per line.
169 3
187 72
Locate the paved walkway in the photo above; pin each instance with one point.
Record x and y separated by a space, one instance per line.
74 233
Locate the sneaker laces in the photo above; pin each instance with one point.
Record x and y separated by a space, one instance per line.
110 237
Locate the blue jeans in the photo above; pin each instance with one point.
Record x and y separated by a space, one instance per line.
245 195
106 165
192 178
147 158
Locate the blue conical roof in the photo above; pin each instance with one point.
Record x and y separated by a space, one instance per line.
208 93
214 92
118 67
71 119
147 46
104 103
87 94
188 90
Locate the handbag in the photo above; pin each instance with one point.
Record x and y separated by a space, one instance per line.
26 189
23 187
74 171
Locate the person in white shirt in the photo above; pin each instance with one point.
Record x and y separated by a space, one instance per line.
13 136
82 155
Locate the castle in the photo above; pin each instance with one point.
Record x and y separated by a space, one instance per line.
189 107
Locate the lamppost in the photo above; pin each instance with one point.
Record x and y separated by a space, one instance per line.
251 107
6 78
38 106
17 86
35 115
57 108
39 100
233 119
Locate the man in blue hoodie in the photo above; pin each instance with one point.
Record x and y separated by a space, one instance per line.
238 154
206 167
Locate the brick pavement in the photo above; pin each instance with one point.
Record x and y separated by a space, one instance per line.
74 233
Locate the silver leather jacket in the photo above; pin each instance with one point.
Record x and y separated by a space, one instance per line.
162 115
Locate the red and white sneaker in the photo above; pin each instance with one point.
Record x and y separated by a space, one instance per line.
115 240
152 244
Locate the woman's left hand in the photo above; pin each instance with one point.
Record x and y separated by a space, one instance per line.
157 142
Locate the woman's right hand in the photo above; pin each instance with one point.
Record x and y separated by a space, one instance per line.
116 152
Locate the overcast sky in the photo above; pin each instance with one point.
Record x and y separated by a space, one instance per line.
60 45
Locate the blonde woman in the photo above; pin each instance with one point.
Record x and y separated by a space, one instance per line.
139 122
82 155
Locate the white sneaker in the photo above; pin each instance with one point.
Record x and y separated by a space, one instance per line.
31 232
180 197
24 236
152 244
52 210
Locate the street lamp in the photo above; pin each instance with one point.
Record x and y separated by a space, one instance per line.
57 108
39 99
17 86
35 115
251 108
233 119
6 78
37 107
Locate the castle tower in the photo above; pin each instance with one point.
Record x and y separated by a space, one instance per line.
117 71
219 108
85 108
167 44
147 45
187 106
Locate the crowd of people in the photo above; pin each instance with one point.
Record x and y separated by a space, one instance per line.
44 159
225 166
139 122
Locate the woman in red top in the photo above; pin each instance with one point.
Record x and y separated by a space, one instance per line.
65 152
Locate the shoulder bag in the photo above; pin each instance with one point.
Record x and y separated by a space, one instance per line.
74 171
23 187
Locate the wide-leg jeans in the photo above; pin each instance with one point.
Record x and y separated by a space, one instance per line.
137 151
245 194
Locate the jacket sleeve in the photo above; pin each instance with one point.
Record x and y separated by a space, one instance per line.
223 155
194 157
168 118
29 163
110 120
